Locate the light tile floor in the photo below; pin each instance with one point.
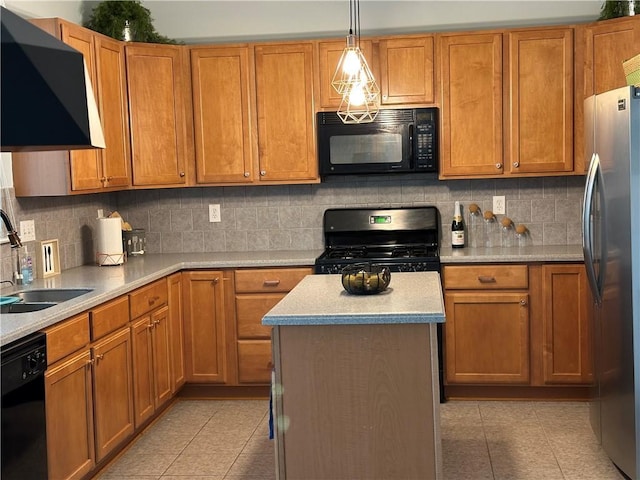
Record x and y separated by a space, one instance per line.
228 440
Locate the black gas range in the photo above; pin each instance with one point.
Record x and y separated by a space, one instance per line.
405 239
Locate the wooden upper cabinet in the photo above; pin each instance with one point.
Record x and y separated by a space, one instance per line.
471 104
158 121
407 70
541 97
608 44
220 79
114 113
86 168
329 53
284 79
90 170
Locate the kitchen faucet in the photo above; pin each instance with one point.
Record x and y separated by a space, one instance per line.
14 239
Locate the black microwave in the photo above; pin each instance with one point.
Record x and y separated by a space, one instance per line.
402 140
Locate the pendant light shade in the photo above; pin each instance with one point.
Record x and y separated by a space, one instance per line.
353 79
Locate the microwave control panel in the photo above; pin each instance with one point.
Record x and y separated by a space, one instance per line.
425 138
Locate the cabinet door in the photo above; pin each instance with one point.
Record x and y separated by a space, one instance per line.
407 70
329 53
86 165
155 82
112 102
69 407
204 330
541 101
176 331
161 356
285 112
566 333
143 390
221 109
608 44
113 392
471 120
487 338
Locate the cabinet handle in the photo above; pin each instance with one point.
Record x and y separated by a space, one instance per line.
247 174
523 302
100 356
263 173
486 279
215 281
516 164
271 283
181 174
498 165
153 300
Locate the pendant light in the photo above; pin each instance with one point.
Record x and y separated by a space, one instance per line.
353 79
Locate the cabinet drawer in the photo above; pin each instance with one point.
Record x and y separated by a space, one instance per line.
148 298
249 312
109 317
67 337
269 279
485 277
254 361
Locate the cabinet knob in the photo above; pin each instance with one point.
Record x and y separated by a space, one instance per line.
100 356
498 165
247 174
516 164
263 173
523 302
215 281
181 174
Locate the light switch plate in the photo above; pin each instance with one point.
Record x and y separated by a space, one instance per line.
27 231
499 205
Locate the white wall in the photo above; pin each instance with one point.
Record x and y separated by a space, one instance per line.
201 21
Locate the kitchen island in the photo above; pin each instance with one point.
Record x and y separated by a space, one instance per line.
356 392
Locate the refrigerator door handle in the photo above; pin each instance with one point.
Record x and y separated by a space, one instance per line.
587 227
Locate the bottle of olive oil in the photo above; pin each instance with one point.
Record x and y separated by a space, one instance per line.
457 228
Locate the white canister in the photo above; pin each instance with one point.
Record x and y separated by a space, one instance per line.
109 242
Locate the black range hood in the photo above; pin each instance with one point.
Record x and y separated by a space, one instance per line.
46 97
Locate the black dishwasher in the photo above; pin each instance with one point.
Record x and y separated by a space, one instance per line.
24 442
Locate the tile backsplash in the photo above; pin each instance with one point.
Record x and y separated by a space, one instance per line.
286 217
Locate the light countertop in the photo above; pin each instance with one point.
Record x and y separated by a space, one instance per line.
414 297
109 282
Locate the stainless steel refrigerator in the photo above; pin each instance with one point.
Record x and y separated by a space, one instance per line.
611 243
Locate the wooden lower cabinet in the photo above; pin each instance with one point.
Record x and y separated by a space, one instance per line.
487 337
518 325
257 290
113 395
151 365
89 404
69 410
567 357
176 331
204 328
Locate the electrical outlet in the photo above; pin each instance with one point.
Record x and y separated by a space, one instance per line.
27 231
214 213
499 205
100 213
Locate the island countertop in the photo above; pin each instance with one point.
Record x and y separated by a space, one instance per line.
412 297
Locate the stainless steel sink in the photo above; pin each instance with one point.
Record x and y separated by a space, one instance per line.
53 295
25 307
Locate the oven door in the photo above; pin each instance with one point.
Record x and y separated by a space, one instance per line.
363 148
